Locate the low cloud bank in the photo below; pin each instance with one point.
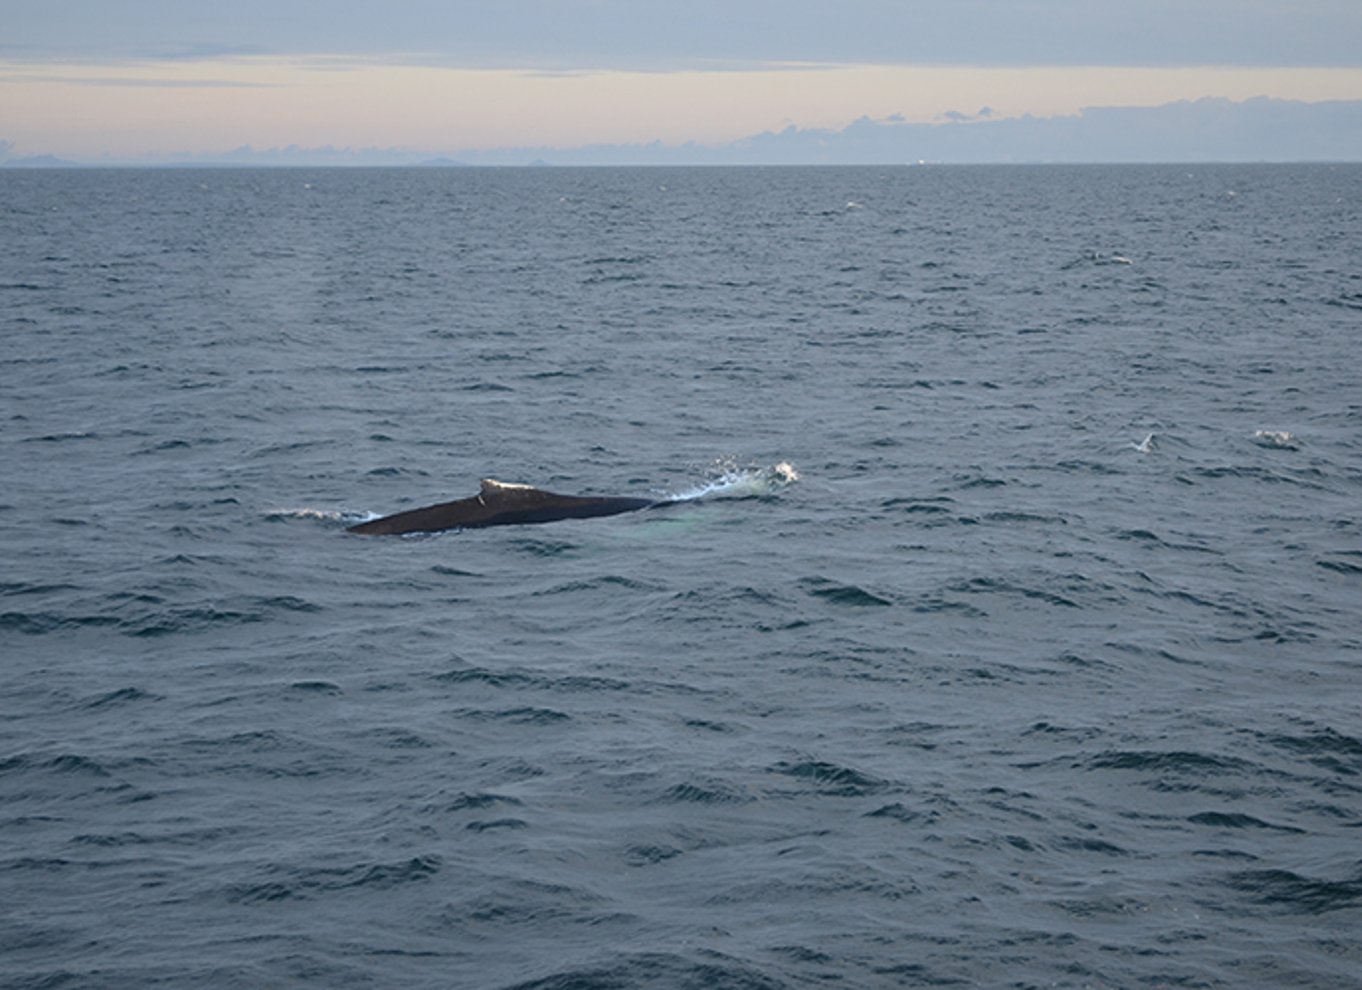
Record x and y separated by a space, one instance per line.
1205 130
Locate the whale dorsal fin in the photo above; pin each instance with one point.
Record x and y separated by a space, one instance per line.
492 490
491 486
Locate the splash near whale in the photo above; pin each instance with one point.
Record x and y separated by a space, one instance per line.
501 504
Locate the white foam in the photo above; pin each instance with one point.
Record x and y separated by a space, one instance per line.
1276 438
735 482
326 515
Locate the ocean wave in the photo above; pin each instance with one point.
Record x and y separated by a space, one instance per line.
707 969
837 593
280 883
1296 893
831 778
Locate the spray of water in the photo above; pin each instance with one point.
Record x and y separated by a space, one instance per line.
728 480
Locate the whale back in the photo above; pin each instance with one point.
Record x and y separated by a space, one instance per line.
499 503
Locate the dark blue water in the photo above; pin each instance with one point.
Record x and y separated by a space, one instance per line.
1046 673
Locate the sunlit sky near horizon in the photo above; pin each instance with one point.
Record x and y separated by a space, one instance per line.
147 78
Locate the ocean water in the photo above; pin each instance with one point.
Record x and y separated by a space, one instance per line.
1046 672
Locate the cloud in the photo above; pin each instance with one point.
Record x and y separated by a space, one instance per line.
956 117
1206 130
135 82
650 35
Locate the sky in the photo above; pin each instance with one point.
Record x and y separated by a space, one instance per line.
165 80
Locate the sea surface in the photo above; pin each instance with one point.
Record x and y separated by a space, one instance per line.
1046 672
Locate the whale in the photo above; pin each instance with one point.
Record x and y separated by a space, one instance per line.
499 503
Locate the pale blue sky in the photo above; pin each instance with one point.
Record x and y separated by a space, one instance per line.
133 78
664 34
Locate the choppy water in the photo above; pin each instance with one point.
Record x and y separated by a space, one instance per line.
1045 673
